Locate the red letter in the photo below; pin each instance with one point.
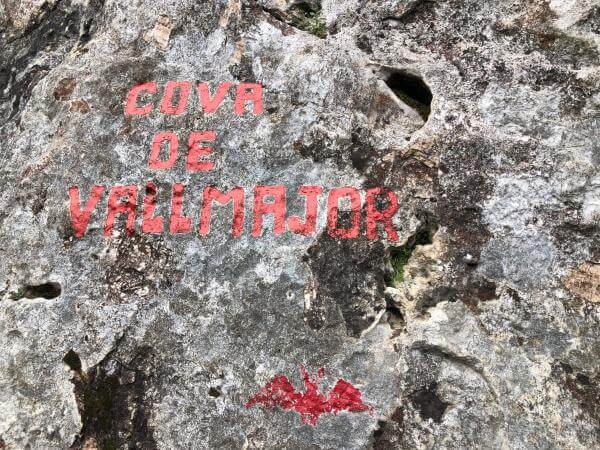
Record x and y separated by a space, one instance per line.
196 151
310 223
131 107
117 206
210 194
166 105
179 223
385 216
333 213
249 92
209 105
151 224
154 162
277 208
80 219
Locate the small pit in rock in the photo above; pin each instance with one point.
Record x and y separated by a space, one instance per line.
214 392
303 15
389 432
412 90
394 316
429 404
48 291
72 360
308 18
399 256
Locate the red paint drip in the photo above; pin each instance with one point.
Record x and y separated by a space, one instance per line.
311 403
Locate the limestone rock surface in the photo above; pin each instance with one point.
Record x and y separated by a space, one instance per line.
478 328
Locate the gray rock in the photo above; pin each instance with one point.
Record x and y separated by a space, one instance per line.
481 116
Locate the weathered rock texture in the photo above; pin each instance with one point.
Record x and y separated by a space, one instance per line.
483 116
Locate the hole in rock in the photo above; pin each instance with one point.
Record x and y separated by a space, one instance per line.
429 404
389 432
394 311
583 379
214 392
412 90
380 429
395 317
72 360
47 290
306 16
399 256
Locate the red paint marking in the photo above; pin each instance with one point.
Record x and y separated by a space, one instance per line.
333 213
179 223
176 97
131 107
154 162
184 88
249 92
209 105
309 226
262 208
196 152
121 200
151 224
268 201
81 218
311 403
212 194
384 216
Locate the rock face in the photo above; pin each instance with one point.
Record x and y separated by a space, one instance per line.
478 328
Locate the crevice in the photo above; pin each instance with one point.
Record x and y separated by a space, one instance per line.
54 28
468 362
112 401
411 8
389 431
429 403
395 318
72 360
48 291
411 89
400 255
302 16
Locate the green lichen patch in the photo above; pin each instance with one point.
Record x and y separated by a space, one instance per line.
18 295
310 21
304 16
400 256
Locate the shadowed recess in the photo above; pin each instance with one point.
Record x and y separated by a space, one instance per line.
412 90
399 256
429 404
113 403
72 360
48 291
